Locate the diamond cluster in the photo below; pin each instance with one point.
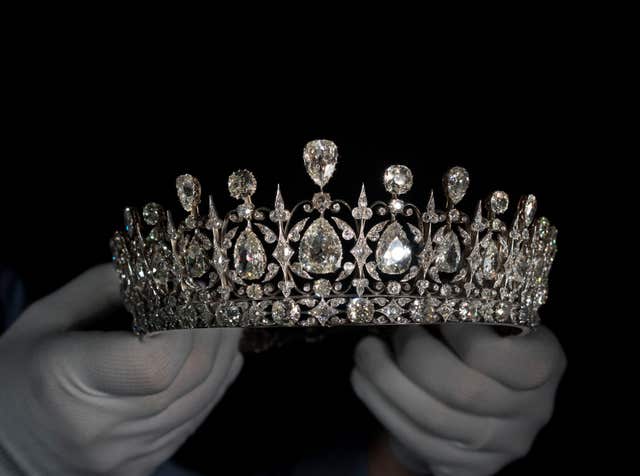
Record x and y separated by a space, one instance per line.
325 263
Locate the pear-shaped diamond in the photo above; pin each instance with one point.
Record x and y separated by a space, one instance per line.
456 182
320 159
448 255
320 248
188 188
490 260
393 254
249 257
196 260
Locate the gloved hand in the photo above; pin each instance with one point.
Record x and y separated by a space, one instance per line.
82 403
466 406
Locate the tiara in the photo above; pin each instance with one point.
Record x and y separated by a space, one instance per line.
323 262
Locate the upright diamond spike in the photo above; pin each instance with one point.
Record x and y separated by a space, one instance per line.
478 224
214 220
527 208
279 213
362 211
171 229
362 200
279 203
430 215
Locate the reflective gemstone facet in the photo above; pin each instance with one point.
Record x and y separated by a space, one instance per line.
360 310
196 261
242 183
285 311
188 189
490 260
249 257
229 314
393 254
322 287
448 254
398 179
529 205
320 248
320 159
456 182
499 202
152 213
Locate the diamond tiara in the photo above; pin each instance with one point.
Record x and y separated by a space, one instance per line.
325 263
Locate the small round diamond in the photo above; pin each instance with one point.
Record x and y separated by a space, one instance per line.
398 179
468 311
242 183
229 315
152 213
396 205
394 287
245 210
360 310
321 201
486 310
502 312
283 311
499 202
418 310
254 291
322 287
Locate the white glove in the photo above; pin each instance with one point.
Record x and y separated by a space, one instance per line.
83 403
465 409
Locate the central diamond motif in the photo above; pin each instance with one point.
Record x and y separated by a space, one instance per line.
320 248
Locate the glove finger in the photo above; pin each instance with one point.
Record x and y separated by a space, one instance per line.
430 448
196 368
88 296
432 365
169 410
375 363
161 449
205 358
113 363
522 362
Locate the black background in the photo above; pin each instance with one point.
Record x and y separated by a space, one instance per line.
80 147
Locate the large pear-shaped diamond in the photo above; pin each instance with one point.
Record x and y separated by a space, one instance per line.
248 256
393 254
448 255
490 260
320 248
